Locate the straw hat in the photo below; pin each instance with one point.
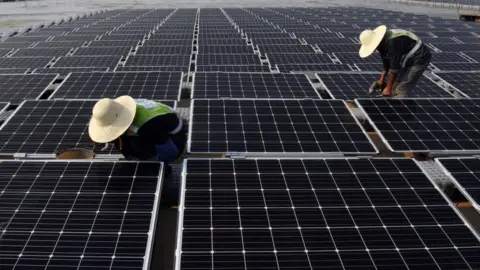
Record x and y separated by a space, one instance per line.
370 39
111 118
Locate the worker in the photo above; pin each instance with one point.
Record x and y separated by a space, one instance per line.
141 130
403 54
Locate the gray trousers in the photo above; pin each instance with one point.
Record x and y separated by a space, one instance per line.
406 81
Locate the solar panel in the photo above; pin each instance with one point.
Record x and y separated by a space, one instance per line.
99 31
24 62
249 68
312 67
349 86
109 61
468 39
252 85
451 34
161 31
60 44
3 106
267 35
316 34
96 85
100 51
18 87
59 214
425 125
219 36
113 43
465 83
164 50
15 39
473 55
435 41
123 37
158 60
338 48
42 52
275 126
228 59
286 49
350 58
267 30
276 41
132 32
67 70
304 58
446 57
15 45
457 66
226 49
318 213
168 42
49 126
147 68
466 176
332 41
4 52
47 33
370 67
172 36
218 42
13 70
73 38
457 47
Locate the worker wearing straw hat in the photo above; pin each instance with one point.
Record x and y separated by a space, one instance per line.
141 130
403 54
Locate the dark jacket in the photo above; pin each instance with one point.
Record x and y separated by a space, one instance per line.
393 50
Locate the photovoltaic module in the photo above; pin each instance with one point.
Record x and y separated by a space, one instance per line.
78 214
275 126
310 213
147 85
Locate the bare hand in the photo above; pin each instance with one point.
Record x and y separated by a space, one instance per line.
380 84
387 91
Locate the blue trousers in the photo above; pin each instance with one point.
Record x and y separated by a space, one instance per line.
171 185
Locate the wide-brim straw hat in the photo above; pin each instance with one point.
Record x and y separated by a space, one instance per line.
370 39
111 118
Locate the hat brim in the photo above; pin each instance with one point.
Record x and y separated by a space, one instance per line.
366 51
107 133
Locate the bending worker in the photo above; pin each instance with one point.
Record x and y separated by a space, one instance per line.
403 54
141 130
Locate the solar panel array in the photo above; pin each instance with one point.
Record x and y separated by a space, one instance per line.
15 87
3 106
275 126
96 85
465 174
318 213
464 83
252 85
256 78
426 125
446 3
66 214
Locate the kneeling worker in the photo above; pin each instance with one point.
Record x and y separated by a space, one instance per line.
403 55
141 130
